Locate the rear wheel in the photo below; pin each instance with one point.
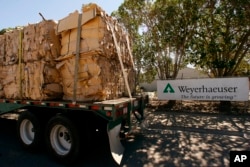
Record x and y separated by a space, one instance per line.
62 139
29 130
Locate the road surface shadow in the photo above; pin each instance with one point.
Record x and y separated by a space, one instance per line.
188 139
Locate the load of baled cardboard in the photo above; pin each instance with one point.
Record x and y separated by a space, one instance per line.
99 74
27 66
76 59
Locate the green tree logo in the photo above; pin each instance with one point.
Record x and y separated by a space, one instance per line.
168 89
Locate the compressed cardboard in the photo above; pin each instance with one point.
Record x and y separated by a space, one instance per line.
71 21
98 78
91 35
38 61
99 75
27 66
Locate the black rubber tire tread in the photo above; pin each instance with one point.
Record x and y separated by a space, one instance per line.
37 129
74 152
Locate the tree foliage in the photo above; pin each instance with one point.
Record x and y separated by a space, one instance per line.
169 34
159 48
131 14
176 23
222 39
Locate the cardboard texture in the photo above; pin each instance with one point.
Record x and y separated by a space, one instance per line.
98 78
2 49
27 67
95 34
46 69
99 75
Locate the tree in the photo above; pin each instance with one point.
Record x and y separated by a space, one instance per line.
222 39
176 22
169 24
5 30
130 14
221 42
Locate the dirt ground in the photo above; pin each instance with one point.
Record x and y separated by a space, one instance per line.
200 107
190 133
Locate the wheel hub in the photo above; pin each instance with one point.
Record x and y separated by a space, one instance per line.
60 139
27 131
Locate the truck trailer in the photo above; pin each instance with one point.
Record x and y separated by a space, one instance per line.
69 82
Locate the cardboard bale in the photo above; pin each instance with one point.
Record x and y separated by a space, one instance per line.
34 76
96 34
91 35
99 78
40 41
12 43
11 82
11 91
53 90
30 83
37 83
99 75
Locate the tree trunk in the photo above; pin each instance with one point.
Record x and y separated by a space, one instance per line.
171 104
225 106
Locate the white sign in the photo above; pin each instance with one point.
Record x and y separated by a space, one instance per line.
217 89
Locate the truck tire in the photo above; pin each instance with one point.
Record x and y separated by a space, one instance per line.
29 131
62 140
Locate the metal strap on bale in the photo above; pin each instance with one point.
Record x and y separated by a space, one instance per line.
77 57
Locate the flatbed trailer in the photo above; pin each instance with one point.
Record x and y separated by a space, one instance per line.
69 126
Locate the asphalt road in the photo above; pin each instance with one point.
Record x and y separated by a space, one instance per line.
171 139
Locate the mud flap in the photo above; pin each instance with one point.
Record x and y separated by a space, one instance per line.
116 147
